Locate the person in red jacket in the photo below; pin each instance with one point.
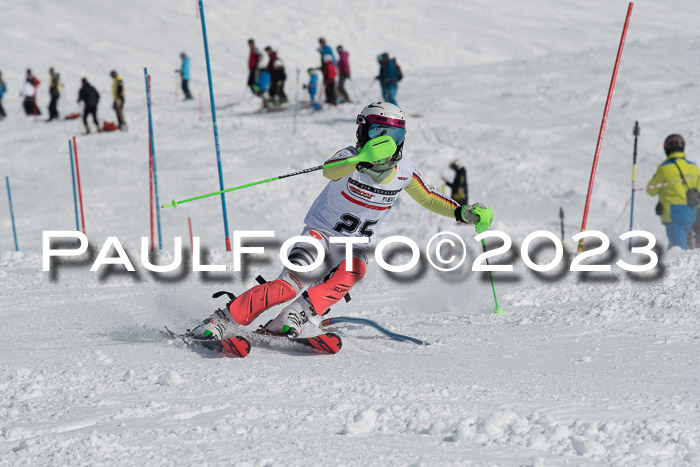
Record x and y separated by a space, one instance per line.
254 58
31 83
344 73
275 67
329 73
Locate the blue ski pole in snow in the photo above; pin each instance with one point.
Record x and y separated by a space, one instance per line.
153 153
368 322
12 213
213 120
75 195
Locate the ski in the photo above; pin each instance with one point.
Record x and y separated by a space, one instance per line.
235 346
327 343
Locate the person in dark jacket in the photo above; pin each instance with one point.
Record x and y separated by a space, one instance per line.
254 59
277 77
90 98
460 190
3 89
55 87
343 73
389 76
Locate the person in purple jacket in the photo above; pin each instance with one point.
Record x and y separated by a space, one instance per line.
344 73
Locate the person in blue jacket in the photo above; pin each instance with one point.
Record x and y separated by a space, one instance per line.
389 76
312 87
185 75
3 88
326 49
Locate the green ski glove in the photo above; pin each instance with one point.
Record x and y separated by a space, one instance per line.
377 149
477 214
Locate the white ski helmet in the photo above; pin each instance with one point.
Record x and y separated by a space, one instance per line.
382 118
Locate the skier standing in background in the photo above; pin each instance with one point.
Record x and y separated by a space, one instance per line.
675 204
460 191
254 59
389 76
118 95
343 73
185 75
325 49
3 89
28 91
275 67
90 98
312 87
329 73
356 202
55 87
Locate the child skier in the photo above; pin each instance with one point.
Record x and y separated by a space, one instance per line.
356 202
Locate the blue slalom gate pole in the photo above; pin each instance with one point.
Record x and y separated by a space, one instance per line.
296 104
368 322
12 212
213 120
153 153
635 132
75 194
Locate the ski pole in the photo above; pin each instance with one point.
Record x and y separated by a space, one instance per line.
376 149
561 221
368 322
635 132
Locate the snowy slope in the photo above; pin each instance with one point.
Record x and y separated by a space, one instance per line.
575 371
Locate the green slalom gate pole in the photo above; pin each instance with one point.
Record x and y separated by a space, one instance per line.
485 219
378 148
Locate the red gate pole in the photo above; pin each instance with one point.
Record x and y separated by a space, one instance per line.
602 124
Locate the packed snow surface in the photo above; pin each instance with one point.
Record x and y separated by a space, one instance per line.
579 369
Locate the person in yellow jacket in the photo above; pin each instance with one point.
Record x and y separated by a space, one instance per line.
118 95
675 208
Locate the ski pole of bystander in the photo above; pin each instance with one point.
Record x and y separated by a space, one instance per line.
635 132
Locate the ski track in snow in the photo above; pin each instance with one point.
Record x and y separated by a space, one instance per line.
576 371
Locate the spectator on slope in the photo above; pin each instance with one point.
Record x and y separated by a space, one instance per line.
458 185
343 73
325 49
90 98
185 75
312 87
28 91
389 76
275 67
355 203
677 201
329 73
118 95
254 59
3 89
55 87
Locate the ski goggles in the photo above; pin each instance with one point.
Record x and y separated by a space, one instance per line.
378 129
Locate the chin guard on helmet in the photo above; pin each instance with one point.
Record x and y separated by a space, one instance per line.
378 119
